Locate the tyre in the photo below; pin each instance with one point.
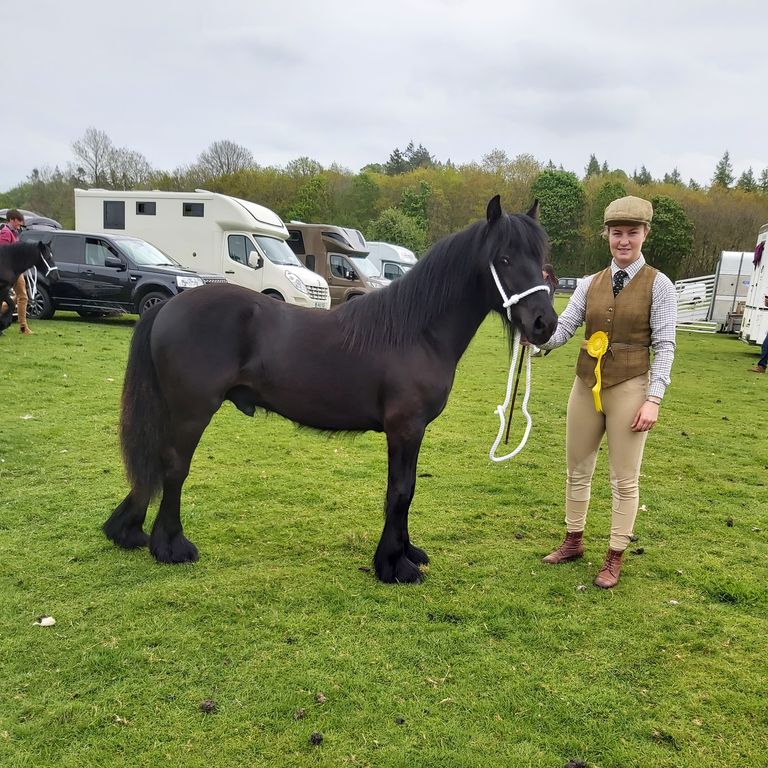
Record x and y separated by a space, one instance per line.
274 295
41 307
150 299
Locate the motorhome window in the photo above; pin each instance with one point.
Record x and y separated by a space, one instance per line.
146 209
96 252
114 214
68 249
296 241
364 266
391 271
277 251
193 209
310 261
239 247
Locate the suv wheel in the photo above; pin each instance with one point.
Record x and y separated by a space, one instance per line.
41 307
150 299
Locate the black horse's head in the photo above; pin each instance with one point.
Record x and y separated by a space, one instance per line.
45 263
518 247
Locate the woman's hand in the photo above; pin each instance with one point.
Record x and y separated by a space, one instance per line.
646 417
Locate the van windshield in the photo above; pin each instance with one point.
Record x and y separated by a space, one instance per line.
277 251
364 265
144 254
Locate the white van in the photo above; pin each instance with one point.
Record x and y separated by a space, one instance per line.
392 261
208 232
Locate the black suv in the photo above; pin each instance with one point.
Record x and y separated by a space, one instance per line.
100 274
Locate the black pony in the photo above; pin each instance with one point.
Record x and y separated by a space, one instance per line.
384 362
16 259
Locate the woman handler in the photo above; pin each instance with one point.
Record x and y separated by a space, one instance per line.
629 308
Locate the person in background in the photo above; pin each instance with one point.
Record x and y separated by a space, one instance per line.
762 363
635 308
9 234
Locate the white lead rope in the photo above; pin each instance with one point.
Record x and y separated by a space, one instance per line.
501 410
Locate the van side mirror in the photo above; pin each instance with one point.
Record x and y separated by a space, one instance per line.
349 274
255 260
113 262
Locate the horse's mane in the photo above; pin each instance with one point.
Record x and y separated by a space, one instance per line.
395 316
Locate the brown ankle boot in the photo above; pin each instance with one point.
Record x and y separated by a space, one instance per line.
572 548
608 576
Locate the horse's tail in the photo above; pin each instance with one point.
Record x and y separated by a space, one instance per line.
143 417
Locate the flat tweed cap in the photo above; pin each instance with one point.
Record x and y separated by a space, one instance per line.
633 210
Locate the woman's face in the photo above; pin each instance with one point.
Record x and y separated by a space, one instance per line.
626 242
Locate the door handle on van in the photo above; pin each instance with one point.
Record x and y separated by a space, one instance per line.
229 272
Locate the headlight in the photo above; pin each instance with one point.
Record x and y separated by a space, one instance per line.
296 281
188 281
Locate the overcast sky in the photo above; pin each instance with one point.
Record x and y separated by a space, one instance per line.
665 84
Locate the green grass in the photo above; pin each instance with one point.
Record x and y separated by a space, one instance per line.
495 660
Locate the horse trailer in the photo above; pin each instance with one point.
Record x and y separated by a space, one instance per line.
208 232
754 326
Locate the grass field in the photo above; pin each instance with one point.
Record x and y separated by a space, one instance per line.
495 660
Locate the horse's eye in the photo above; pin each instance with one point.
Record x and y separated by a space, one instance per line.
504 261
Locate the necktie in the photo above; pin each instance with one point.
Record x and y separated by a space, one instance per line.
618 281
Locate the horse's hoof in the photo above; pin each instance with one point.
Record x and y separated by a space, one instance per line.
177 549
416 555
403 571
131 539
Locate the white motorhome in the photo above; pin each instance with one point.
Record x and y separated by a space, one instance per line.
208 232
754 325
392 261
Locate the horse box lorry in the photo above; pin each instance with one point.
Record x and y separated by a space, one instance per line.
339 254
754 325
211 232
393 261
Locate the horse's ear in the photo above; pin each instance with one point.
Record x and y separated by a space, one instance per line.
534 212
493 212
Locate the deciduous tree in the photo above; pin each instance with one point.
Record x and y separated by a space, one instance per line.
225 157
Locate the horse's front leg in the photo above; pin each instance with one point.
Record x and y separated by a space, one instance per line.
396 559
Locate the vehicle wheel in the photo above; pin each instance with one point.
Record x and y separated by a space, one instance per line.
41 307
150 299
274 295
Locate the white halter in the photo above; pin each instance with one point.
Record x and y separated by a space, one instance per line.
501 410
31 276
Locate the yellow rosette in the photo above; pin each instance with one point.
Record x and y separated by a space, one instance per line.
597 346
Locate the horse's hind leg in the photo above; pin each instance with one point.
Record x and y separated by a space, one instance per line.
125 525
396 559
167 542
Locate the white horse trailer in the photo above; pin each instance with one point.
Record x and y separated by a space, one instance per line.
754 326
730 289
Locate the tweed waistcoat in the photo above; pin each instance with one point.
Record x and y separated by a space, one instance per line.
626 319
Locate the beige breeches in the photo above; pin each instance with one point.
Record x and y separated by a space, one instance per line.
20 289
584 433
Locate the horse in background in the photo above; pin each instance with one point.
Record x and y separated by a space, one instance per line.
384 362
15 259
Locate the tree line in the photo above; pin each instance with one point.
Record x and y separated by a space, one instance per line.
412 199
